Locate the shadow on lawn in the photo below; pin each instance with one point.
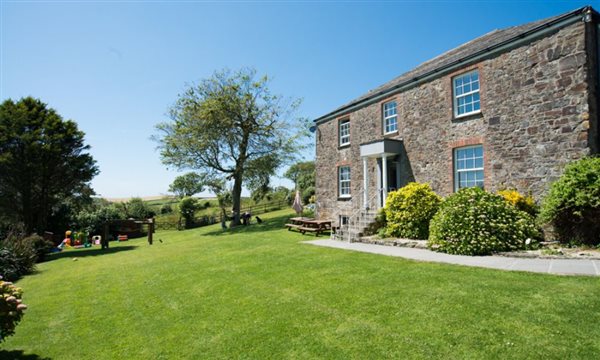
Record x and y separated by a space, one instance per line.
271 224
19 355
88 252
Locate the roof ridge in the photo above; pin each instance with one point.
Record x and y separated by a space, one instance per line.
456 55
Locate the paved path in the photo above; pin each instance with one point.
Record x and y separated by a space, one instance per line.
549 266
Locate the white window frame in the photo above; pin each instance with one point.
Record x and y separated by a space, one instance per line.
342 183
344 125
344 220
457 171
455 97
387 117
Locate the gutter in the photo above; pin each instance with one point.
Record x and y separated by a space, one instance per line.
516 41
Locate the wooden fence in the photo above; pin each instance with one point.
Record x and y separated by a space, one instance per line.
212 219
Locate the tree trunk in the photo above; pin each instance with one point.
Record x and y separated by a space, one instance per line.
236 196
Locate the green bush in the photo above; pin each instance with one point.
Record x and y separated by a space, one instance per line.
17 256
138 209
11 308
166 209
187 209
40 245
409 210
92 220
307 194
572 206
474 222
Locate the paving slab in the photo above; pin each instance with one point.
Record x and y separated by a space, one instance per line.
549 266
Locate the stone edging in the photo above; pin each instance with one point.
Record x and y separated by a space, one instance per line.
422 244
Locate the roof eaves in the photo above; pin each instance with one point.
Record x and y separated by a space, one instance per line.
538 31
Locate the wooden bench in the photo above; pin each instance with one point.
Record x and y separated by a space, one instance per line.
293 226
305 225
304 229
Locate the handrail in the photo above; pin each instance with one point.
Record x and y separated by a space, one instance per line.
356 213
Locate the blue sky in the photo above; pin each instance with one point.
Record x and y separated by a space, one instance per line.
115 67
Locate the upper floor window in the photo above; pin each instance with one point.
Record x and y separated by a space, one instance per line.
344 181
468 167
390 117
466 94
344 132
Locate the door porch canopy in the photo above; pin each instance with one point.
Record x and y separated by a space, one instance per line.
378 149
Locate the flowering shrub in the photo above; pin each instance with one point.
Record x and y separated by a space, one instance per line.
474 222
409 210
572 206
11 308
522 202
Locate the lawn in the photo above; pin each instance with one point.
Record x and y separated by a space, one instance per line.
258 292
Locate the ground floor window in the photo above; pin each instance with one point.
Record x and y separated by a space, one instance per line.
468 167
344 181
344 220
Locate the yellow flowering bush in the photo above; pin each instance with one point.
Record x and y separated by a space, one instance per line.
474 222
11 308
409 210
522 202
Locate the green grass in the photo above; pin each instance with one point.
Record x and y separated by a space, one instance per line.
258 292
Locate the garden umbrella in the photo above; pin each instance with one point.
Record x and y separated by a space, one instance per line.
297 205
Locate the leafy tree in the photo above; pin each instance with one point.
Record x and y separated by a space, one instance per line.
187 185
43 163
92 219
138 209
302 174
231 128
187 209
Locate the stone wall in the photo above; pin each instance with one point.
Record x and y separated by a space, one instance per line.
535 118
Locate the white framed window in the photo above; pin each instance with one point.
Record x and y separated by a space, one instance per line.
344 181
468 167
390 117
344 132
466 94
344 220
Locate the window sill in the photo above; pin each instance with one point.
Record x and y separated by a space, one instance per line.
343 146
344 198
471 115
391 134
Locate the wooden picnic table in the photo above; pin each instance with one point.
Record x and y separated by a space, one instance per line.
297 222
305 225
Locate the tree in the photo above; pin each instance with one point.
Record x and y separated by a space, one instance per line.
138 209
43 163
231 128
302 174
187 209
187 185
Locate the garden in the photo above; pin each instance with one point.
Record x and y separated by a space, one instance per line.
259 292
475 222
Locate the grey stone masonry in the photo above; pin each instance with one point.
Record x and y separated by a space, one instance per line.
538 113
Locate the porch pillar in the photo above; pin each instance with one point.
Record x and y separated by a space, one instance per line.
385 177
378 187
365 183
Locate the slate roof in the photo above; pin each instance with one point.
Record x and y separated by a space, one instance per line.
457 55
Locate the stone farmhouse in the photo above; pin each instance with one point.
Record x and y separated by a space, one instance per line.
507 110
